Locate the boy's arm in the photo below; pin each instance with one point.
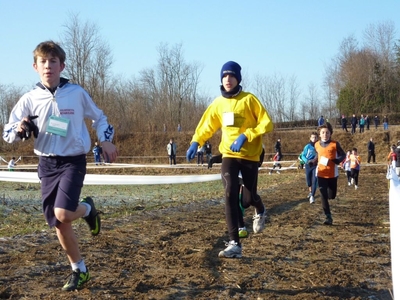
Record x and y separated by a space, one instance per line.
10 132
341 155
13 127
105 131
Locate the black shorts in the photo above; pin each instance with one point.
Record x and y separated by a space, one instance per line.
61 183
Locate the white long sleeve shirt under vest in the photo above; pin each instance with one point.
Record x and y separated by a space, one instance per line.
71 102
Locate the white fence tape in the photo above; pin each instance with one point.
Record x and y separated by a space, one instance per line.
95 179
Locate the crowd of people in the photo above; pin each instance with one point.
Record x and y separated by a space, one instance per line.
62 142
362 123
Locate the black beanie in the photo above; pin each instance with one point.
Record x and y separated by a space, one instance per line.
232 68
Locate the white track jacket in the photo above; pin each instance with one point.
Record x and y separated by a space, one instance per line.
69 101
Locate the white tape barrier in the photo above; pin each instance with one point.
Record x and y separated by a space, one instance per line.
394 210
95 179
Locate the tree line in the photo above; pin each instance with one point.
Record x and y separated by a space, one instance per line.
360 79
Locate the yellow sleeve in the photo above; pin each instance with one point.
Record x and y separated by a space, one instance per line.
264 121
209 123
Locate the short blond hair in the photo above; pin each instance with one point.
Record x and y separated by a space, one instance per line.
49 47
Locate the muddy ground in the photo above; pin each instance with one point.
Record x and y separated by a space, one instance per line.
172 252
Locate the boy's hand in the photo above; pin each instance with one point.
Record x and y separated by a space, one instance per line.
312 162
237 145
191 152
26 127
110 152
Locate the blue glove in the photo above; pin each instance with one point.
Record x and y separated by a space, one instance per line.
237 145
192 151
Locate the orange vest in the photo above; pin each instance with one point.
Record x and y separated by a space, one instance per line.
331 170
355 161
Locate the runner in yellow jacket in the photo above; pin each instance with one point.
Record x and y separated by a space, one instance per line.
243 120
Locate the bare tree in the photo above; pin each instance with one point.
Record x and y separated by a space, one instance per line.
278 96
312 102
294 95
9 95
261 85
89 58
172 87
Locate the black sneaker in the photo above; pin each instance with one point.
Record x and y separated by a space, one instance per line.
76 280
93 219
328 220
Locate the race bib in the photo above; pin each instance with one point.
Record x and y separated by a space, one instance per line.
324 161
228 119
57 125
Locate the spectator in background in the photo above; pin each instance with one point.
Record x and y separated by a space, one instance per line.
179 127
278 147
385 123
367 122
362 123
353 123
165 127
321 120
371 151
200 155
376 122
344 123
11 164
208 151
97 151
171 149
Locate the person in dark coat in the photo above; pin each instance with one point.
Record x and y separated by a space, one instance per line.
367 122
371 151
376 122
344 123
353 123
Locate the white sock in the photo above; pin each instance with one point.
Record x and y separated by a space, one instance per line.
79 265
88 209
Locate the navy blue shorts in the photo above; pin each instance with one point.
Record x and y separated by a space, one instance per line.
61 183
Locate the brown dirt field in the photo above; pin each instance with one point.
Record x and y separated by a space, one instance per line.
172 253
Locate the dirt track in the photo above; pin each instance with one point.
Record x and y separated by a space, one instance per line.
172 253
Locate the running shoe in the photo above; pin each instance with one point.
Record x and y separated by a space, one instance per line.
93 219
259 221
328 220
233 250
76 280
243 232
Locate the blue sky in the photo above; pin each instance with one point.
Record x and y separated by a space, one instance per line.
298 37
